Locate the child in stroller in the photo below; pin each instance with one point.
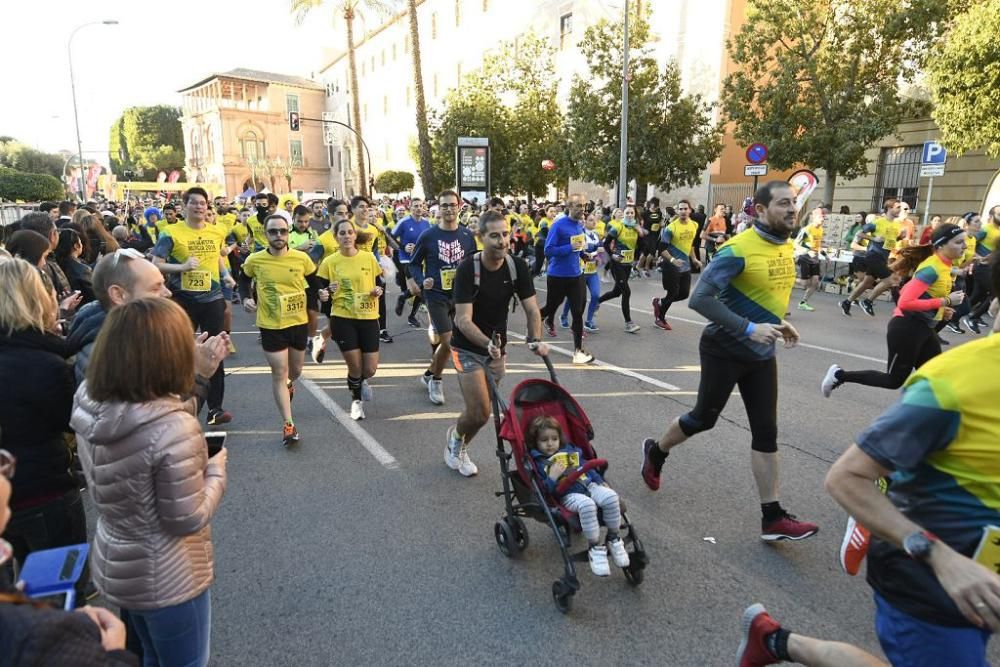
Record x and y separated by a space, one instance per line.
554 458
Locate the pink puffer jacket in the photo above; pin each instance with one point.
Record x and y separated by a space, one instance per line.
155 492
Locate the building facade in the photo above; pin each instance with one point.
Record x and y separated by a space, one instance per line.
237 133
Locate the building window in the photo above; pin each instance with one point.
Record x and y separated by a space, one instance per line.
365 112
292 103
458 74
295 152
385 105
434 25
435 84
458 13
394 52
565 30
362 68
897 176
407 96
251 148
382 58
347 158
387 151
406 45
373 64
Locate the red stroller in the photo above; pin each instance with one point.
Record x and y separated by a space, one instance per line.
524 494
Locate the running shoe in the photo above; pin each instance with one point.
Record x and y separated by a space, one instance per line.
854 546
590 327
598 557
289 435
456 455
564 323
550 328
757 627
318 351
631 327
426 379
357 411
845 306
400 304
384 336
423 308
582 357
216 417
291 390
619 555
414 322
955 327
868 306
971 324
650 471
367 393
803 305
656 308
663 324
435 391
787 528
830 381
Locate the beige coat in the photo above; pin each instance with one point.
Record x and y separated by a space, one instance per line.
155 492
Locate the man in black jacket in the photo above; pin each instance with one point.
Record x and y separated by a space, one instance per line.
40 222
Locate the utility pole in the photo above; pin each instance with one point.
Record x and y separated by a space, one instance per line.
622 168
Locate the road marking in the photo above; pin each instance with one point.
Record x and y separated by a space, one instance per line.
423 416
361 435
606 366
702 323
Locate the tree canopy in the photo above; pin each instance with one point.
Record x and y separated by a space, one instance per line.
394 182
147 138
24 158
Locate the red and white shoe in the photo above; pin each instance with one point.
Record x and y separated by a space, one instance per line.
787 528
757 626
854 546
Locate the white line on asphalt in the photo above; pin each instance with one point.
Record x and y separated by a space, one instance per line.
611 367
702 323
361 435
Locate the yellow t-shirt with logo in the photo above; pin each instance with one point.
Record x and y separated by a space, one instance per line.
626 240
177 243
281 287
355 277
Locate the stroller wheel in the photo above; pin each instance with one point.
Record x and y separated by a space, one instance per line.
520 532
562 595
504 536
633 573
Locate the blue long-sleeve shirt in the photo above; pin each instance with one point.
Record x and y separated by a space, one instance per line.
407 231
564 261
572 457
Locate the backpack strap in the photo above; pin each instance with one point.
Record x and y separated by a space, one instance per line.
477 267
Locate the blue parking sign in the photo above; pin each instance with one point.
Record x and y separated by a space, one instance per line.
934 153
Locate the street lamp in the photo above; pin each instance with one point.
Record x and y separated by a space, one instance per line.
72 85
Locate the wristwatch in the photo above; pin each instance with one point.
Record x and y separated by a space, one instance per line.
918 545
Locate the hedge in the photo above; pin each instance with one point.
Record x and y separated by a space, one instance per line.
30 187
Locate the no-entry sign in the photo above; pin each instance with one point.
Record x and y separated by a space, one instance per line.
756 153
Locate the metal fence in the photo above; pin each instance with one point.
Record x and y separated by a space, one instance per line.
897 176
10 212
732 194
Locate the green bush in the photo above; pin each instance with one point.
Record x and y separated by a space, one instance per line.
394 182
30 187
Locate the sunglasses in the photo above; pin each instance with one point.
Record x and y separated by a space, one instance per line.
277 232
7 464
447 205
131 253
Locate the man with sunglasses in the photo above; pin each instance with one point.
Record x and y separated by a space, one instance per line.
281 275
189 255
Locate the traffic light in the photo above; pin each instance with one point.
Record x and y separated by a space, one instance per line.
293 121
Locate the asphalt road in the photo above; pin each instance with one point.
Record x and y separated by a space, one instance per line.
360 547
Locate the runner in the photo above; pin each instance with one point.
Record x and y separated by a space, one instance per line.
189 255
350 281
714 234
987 242
881 235
743 293
406 233
652 222
364 223
589 259
326 245
433 263
485 283
621 244
280 274
925 300
675 243
808 248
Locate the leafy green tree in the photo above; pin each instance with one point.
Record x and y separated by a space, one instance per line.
672 136
818 80
147 138
394 182
471 113
963 78
30 187
23 158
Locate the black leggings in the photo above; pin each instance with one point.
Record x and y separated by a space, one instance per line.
677 285
209 318
573 289
758 383
982 293
621 273
912 343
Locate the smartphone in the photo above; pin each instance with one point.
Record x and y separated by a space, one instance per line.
215 440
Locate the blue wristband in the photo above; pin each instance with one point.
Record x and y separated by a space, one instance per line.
750 328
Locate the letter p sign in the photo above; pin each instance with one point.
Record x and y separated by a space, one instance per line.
934 153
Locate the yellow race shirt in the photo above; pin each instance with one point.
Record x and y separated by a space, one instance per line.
970 251
329 243
936 274
256 228
177 243
626 240
281 287
355 278
888 230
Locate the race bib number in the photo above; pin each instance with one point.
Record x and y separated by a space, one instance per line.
292 304
988 552
628 256
890 244
578 242
590 267
196 281
365 305
447 278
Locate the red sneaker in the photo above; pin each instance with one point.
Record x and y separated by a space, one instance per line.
656 308
663 324
757 625
216 417
650 472
854 547
550 328
787 528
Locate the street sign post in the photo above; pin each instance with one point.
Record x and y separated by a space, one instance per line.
756 153
932 161
755 170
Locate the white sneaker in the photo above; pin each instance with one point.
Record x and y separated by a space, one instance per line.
581 357
466 466
452 449
830 381
318 350
618 553
357 411
598 557
435 391
631 327
367 393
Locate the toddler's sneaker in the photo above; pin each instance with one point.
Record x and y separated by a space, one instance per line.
598 557
618 553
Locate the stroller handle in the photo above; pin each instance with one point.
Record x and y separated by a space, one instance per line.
551 369
570 479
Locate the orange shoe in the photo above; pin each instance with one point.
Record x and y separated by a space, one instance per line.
289 435
854 547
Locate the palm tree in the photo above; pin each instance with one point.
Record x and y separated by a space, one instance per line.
347 9
423 135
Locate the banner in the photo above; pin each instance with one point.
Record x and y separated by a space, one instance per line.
804 183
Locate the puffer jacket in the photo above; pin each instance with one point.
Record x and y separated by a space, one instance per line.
155 492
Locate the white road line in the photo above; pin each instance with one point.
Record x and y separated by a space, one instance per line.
702 323
605 365
361 435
